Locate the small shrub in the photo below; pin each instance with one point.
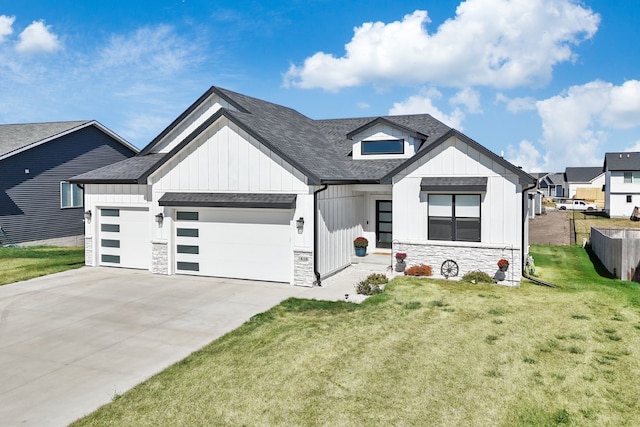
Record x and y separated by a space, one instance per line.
419 270
562 417
575 350
377 279
477 277
529 360
366 288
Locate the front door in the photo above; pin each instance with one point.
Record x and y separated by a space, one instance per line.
383 223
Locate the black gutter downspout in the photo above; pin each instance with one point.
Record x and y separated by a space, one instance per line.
525 213
315 234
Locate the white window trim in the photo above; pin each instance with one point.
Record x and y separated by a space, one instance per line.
73 187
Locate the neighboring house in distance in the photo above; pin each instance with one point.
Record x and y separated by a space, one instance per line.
622 183
243 188
585 183
38 205
552 185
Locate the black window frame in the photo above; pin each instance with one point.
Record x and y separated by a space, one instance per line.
454 221
380 141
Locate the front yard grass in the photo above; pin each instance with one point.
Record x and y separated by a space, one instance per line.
18 264
426 352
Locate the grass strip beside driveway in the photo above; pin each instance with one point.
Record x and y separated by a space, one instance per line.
426 352
17 264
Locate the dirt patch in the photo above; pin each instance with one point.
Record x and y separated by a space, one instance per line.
550 228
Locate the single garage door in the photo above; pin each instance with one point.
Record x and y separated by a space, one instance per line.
238 243
125 237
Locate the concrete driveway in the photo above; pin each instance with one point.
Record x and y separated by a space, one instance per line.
71 341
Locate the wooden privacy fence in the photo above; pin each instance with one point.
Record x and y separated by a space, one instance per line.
618 249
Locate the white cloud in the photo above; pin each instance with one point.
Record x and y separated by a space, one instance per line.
525 155
6 23
633 148
423 103
576 124
515 105
363 105
37 37
499 43
156 48
469 98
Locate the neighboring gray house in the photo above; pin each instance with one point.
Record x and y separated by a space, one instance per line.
244 188
38 205
552 185
622 183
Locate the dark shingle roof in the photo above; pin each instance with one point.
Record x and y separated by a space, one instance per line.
128 171
455 183
622 161
16 136
582 174
320 149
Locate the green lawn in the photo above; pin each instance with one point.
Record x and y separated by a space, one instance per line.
584 222
18 264
426 352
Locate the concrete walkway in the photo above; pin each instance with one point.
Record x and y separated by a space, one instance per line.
70 342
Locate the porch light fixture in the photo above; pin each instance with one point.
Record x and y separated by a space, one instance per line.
159 218
300 224
87 215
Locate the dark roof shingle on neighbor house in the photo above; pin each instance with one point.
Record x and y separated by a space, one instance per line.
622 161
14 137
582 174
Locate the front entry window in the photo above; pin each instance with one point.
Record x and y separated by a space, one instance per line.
383 223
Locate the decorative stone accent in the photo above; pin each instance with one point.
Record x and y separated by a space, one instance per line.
303 268
159 257
468 257
88 251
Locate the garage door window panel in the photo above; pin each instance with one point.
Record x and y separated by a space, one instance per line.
109 243
187 216
110 228
188 266
114 259
187 232
188 249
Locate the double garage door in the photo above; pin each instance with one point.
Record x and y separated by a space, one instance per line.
237 243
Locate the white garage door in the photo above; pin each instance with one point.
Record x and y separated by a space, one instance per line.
125 238
239 243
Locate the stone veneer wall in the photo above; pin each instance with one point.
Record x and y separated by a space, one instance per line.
468 257
303 268
159 257
88 251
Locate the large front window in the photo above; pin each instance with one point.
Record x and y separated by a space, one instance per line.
454 217
70 195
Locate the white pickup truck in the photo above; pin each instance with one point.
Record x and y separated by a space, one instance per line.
580 205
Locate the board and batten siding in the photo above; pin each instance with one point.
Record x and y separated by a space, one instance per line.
501 204
198 116
225 158
30 202
341 213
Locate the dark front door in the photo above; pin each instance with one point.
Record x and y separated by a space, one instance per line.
383 223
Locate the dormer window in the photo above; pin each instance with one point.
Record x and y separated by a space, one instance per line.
385 146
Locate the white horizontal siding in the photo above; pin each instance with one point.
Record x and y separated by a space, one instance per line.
198 116
225 158
501 204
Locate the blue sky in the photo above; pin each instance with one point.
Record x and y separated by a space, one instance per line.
548 83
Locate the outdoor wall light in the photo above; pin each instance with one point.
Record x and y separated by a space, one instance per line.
159 218
300 224
87 215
